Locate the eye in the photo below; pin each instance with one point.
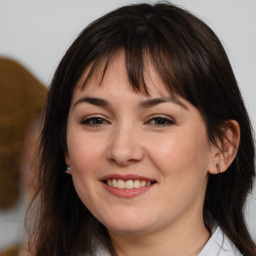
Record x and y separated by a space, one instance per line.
94 121
160 121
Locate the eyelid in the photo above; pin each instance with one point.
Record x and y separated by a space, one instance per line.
86 119
169 119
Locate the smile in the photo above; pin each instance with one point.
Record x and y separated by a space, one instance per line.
127 184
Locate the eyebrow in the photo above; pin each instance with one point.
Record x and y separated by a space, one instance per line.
94 101
143 104
153 102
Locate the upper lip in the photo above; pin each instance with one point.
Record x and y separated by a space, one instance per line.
125 177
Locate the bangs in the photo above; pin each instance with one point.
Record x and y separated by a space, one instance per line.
137 61
144 45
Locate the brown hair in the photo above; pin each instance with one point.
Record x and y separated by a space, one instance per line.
192 64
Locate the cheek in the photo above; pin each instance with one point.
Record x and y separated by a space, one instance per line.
171 152
181 153
85 156
84 151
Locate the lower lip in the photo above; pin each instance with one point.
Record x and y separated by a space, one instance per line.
127 193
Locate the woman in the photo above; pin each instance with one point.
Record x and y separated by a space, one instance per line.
145 115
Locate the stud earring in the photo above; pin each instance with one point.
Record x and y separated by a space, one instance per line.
68 170
218 168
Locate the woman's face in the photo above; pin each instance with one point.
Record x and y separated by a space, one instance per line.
139 163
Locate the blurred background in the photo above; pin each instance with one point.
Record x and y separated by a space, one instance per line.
34 36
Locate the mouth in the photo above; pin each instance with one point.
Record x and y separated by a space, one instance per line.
128 184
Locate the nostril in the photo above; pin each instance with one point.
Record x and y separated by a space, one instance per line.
124 148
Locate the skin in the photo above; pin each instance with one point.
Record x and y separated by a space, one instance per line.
165 142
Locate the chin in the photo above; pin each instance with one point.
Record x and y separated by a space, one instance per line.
129 225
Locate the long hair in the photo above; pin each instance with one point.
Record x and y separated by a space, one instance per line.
192 64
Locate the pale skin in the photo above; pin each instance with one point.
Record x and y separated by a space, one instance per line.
114 131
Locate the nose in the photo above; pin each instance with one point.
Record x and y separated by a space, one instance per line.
124 146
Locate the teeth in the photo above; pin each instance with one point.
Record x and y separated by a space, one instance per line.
136 184
121 184
114 183
143 183
129 184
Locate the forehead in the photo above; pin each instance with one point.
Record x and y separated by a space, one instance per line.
114 74
113 85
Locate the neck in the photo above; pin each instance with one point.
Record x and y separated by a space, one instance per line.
184 239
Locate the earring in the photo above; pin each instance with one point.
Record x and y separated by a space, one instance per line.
218 168
68 170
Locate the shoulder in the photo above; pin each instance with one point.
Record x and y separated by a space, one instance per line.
219 244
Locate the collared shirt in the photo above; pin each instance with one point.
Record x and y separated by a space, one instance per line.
217 245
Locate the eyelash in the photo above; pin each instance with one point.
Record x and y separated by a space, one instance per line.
158 121
162 121
94 121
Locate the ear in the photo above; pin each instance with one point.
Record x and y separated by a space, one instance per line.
225 151
67 161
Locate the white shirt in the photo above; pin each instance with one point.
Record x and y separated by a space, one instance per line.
217 245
